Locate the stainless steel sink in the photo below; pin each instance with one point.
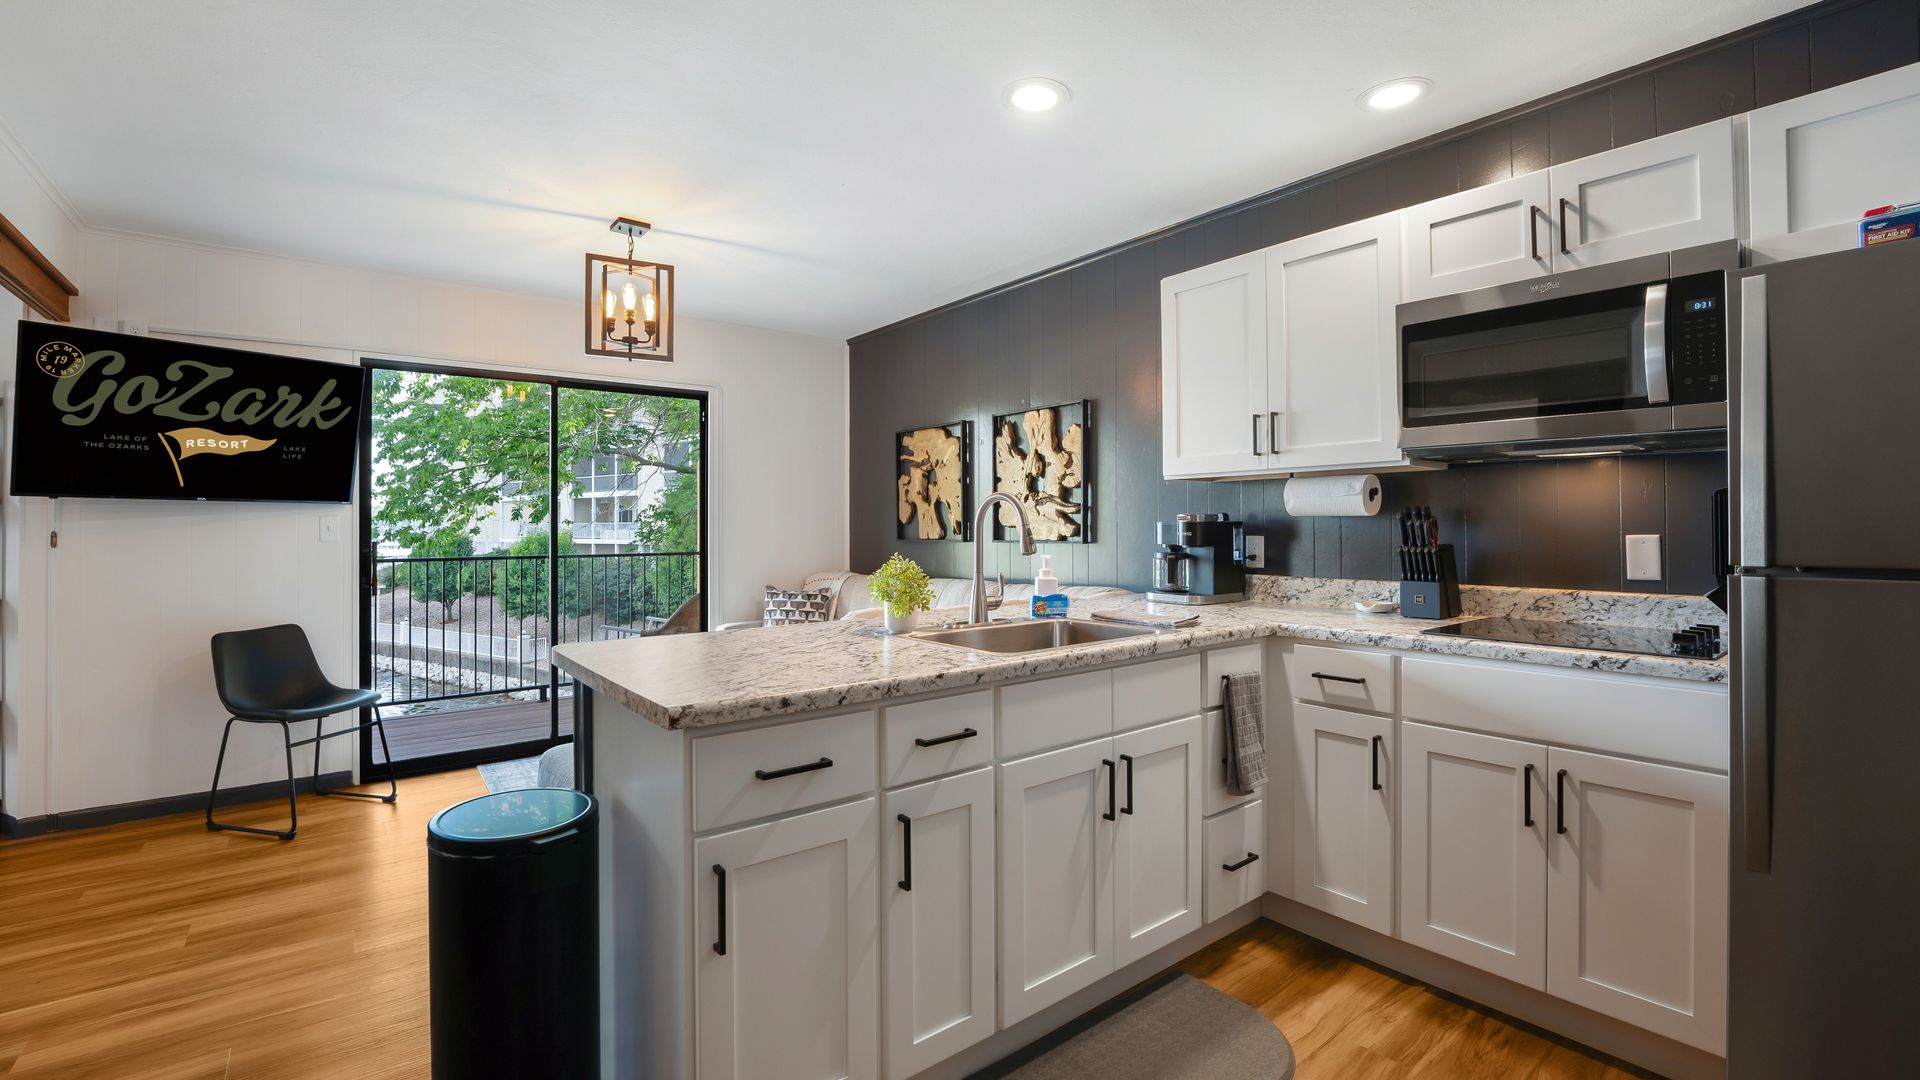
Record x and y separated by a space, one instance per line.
1032 635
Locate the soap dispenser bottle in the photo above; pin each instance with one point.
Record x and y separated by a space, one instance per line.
1048 601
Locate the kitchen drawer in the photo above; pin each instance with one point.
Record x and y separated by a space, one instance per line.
1229 839
1349 678
727 769
1156 690
905 761
1231 660
1041 715
1213 764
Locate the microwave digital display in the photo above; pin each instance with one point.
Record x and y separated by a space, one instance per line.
1702 305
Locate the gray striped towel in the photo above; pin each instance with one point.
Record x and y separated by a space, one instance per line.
1246 733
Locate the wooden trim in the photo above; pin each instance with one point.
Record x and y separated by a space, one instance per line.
95 816
31 276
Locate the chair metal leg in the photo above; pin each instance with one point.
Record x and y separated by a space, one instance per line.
213 795
393 786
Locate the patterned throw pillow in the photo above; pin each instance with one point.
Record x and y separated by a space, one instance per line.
786 607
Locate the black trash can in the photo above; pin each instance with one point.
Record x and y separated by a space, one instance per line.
514 932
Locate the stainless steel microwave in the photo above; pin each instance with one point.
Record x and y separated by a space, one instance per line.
1618 358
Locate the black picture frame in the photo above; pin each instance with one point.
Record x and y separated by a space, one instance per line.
956 532
1065 414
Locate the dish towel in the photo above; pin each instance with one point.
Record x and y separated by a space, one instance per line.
1246 733
1147 618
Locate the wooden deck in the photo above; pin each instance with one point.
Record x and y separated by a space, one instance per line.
475 728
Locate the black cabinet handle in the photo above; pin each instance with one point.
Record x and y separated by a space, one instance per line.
720 946
963 733
1339 678
906 852
1526 796
1112 774
1375 755
1256 434
1533 231
793 770
1564 249
1273 432
1128 758
1560 802
1230 867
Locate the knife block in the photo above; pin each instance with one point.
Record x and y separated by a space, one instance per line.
1433 599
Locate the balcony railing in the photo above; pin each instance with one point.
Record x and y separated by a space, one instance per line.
449 628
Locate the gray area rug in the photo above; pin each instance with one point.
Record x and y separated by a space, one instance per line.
1181 1029
511 775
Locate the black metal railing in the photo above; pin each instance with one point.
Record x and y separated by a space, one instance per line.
450 627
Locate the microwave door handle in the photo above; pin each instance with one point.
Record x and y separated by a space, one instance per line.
1653 347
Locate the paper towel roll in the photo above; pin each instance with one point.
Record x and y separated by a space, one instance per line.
1333 496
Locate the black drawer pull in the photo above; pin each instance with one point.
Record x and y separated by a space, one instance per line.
1339 678
906 852
1128 758
1526 796
1560 802
1230 867
963 733
1112 774
793 770
1374 754
720 946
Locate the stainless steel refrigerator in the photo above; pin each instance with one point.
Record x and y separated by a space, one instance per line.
1824 973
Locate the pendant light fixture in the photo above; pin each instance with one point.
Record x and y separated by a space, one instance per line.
629 302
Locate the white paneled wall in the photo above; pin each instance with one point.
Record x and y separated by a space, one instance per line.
120 708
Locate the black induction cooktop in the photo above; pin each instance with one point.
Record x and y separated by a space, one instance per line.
1601 637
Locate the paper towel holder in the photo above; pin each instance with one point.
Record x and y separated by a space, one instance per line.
1350 495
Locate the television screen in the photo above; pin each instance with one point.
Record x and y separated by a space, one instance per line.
100 415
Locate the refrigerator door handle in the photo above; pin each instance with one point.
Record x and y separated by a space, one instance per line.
1756 726
1754 430
1653 344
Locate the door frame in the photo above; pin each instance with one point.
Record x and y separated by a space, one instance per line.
368 549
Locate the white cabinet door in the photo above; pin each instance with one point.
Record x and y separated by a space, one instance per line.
1637 894
788 953
1815 164
1473 855
1343 814
1486 236
1057 814
1332 393
1156 841
1235 850
1664 194
939 912
1213 369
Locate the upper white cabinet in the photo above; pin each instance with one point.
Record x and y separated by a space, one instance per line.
1489 235
1332 394
1667 193
1815 164
1213 370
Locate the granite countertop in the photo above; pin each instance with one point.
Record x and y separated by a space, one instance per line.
697 680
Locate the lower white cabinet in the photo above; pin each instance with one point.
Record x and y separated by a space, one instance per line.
1156 842
1343 814
787 958
1474 824
1637 894
1235 850
1056 875
938 910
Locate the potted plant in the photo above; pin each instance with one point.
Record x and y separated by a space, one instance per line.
905 590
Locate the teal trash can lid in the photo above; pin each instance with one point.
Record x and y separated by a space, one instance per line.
508 819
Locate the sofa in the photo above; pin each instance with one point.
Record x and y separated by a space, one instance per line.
850 599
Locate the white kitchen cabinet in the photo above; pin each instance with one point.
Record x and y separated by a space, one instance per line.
1057 815
1815 164
1332 393
1667 193
1235 850
786 973
1488 235
1343 852
1156 841
1473 856
1213 369
1637 894
939 919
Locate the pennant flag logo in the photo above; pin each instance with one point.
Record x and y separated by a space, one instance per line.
195 440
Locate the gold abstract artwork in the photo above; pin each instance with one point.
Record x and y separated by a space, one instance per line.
933 476
1043 468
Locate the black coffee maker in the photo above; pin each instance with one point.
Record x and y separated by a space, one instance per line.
1199 561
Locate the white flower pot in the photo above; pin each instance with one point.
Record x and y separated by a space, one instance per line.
900 624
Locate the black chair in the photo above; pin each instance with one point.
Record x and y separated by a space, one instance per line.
270 676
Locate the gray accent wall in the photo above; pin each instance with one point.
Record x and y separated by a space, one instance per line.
1092 329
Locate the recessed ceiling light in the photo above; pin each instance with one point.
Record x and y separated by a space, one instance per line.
1395 94
1037 95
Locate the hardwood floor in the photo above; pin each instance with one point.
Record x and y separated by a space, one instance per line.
160 951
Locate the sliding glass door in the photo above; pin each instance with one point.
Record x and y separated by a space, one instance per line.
503 515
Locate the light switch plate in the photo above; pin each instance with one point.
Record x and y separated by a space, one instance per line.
329 528
1643 556
1256 552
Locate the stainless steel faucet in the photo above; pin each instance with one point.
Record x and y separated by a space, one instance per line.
977 613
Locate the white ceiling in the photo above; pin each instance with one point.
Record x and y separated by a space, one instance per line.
825 166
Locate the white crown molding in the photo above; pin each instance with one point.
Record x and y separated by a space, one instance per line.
12 144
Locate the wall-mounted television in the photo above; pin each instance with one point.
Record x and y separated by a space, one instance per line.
119 416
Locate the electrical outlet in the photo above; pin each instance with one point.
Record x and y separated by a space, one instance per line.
1256 552
1643 557
329 528
134 326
